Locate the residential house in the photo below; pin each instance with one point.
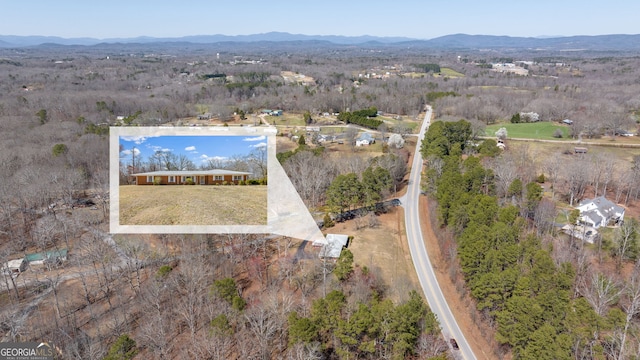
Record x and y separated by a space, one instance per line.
198 177
271 112
333 247
365 139
600 212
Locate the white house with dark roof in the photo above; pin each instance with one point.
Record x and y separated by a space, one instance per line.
365 139
600 212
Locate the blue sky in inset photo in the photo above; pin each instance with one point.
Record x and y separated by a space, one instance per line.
199 149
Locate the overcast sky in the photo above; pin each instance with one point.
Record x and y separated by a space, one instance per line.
420 19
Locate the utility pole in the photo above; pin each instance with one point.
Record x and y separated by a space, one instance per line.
133 159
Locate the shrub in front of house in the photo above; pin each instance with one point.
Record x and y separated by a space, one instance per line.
225 183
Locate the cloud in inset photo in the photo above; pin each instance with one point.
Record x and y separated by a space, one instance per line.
255 138
128 152
136 139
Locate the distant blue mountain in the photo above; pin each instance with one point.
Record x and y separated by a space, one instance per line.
568 43
21 41
457 41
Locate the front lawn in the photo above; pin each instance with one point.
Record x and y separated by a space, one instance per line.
193 205
543 130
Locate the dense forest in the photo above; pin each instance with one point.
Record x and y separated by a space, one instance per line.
543 302
243 296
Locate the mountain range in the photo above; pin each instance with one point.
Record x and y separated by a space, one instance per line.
456 41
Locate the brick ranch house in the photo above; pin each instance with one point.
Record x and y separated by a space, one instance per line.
198 177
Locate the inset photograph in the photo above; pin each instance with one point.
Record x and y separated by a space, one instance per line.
193 180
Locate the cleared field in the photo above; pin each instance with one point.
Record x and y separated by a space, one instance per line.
541 151
450 73
288 119
193 205
537 130
406 121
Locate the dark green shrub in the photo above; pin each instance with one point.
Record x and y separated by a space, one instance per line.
164 270
59 149
327 222
123 349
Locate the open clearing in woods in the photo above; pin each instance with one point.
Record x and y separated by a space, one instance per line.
193 205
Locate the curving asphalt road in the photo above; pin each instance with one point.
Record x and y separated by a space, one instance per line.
421 261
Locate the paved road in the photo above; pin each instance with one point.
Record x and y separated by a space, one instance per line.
427 276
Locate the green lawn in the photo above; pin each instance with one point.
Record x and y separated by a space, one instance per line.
406 121
450 73
538 130
289 119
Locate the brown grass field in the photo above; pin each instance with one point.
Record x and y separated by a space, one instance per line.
193 205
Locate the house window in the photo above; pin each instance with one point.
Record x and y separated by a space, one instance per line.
182 178
218 177
149 179
237 177
172 179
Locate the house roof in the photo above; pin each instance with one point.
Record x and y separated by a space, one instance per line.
62 253
192 172
14 264
593 216
365 136
335 243
604 206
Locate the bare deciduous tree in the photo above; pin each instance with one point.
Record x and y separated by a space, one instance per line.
601 291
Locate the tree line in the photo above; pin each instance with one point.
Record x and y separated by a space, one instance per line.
362 117
519 283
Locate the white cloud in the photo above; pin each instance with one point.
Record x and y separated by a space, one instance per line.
256 138
157 148
205 158
190 148
259 145
136 139
125 153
